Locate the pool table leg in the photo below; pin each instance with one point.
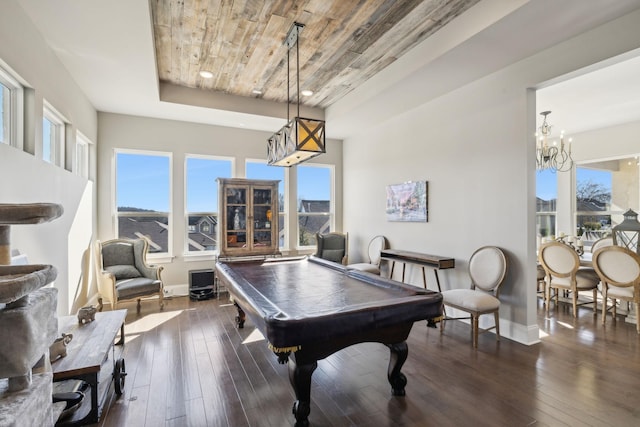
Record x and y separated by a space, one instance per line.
300 377
241 317
399 353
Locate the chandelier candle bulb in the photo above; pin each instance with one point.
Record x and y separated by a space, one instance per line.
555 157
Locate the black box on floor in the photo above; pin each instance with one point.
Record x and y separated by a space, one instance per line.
201 284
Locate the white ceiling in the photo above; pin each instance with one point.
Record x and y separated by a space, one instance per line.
107 47
601 98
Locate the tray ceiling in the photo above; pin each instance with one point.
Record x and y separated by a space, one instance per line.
343 43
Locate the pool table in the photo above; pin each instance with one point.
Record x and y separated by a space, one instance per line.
309 308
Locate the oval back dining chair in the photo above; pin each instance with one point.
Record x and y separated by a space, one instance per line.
376 246
487 270
601 243
562 267
619 272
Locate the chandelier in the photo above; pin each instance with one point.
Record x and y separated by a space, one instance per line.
301 138
552 153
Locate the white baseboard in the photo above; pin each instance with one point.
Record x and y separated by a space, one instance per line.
527 335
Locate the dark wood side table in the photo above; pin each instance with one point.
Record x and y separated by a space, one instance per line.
436 262
91 357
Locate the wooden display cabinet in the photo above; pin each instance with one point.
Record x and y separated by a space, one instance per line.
248 217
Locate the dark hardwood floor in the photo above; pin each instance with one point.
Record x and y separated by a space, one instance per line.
189 366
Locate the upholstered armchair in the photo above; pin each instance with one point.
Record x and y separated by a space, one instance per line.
333 247
123 273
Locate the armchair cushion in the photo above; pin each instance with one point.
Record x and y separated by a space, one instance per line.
123 271
137 287
118 254
334 255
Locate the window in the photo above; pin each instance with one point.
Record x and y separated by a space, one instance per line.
257 169
81 161
604 191
201 193
546 198
11 99
315 202
143 198
52 136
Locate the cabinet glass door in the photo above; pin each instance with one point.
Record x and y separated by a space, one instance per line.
236 217
262 216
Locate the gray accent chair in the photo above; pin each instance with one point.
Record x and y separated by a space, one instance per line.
376 245
123 273
487 270
333 247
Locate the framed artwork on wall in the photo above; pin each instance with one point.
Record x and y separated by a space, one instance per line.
407 202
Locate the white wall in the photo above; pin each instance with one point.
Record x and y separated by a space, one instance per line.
181 138
25 178
475 146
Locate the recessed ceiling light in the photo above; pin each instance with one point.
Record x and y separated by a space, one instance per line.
306 92
206 74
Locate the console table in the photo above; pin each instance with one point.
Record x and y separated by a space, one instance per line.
424 260
91 357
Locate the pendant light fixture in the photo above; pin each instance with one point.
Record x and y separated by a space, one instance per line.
301 138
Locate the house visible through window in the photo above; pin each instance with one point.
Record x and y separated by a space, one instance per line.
143 198
315 202
201 193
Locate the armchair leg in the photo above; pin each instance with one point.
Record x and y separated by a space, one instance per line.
161 300
100 305
496 316
138 306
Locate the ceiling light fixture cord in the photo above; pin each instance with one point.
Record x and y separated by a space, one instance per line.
298 69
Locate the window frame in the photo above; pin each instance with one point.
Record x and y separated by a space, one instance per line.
159 257
208 254
57 135
81 160
332 204
13 115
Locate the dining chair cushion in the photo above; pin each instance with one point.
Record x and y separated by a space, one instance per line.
586 278
365 266
618 266
486 268
559 258
617 292
470 299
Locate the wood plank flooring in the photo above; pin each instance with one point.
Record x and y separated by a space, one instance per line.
189 366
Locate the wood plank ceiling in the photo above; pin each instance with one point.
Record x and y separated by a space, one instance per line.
343 43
